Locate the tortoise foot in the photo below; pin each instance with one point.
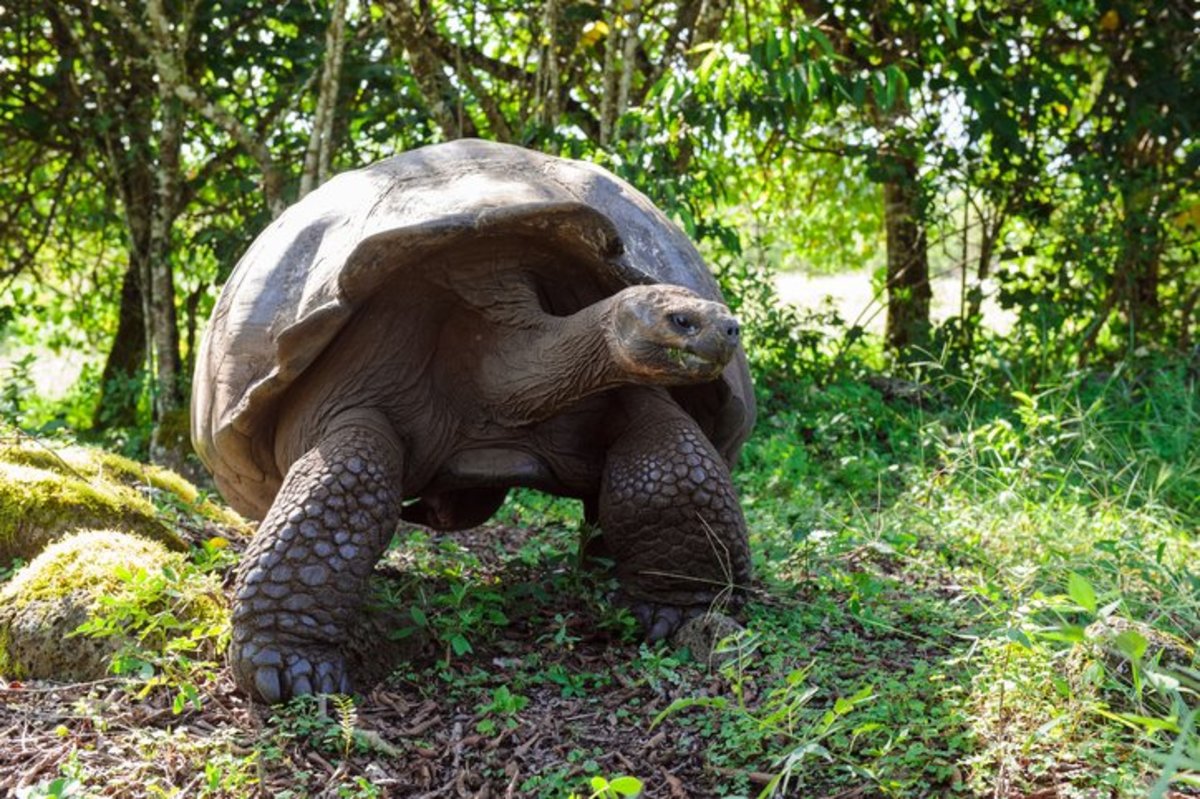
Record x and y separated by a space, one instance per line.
276 671
301 584
670 517
661 620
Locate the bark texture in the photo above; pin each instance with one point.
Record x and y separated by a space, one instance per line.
117 406
908 290
319 154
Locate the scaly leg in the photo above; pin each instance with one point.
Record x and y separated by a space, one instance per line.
670 515
304 576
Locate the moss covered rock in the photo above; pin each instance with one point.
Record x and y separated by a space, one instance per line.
46 493
47 600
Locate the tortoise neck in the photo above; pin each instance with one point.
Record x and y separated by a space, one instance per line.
551 363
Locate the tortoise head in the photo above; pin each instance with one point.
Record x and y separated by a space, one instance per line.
667 335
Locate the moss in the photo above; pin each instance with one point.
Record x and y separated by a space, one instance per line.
96 464
7 667
174 431
38 506
45 493
60 589
83 561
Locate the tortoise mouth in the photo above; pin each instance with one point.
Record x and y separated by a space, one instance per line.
698 362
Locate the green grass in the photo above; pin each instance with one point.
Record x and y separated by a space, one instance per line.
932 579
994 594
957 574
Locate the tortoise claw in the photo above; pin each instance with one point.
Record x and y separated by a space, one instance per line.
266 685
273 680
300 684
660 620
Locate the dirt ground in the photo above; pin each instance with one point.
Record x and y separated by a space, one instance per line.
424 732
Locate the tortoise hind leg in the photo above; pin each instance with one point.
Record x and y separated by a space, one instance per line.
670 516
304 577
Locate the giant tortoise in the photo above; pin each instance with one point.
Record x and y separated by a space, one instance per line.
415 338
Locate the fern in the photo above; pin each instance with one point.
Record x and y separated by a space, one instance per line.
347 715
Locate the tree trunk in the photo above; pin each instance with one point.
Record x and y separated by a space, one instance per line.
319 154
548 78
710 18
908 289
633 21
120 383
406 34
611 80
167 444
1138 270
498 126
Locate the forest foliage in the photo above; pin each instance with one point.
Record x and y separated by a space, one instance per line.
1042 151
975 551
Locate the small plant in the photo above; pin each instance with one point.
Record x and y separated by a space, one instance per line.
57 788
358 788
571 684
7 572
347 715
782 718
561 637
505 705
172 626
308 718
18 387
303 718
615 788
462 612
68 785
228 774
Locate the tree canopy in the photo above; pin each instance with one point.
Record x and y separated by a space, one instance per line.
1048 149
974 549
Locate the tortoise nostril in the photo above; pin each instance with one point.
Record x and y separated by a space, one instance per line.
732 331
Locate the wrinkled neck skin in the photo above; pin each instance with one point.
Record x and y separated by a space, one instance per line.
543 364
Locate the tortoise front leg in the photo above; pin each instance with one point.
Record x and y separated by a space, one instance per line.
670 516
304 577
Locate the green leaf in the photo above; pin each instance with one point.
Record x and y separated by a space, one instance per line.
772 49
1081 593
1131 643
822 41
715 702
1148 723
1018 636
1068 633
951 23
859 93
626 786
706 66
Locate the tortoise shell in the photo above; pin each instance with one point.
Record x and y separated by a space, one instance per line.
301 281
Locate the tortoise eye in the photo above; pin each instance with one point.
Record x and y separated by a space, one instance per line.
683 323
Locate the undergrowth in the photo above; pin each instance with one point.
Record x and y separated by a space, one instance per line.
978 589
